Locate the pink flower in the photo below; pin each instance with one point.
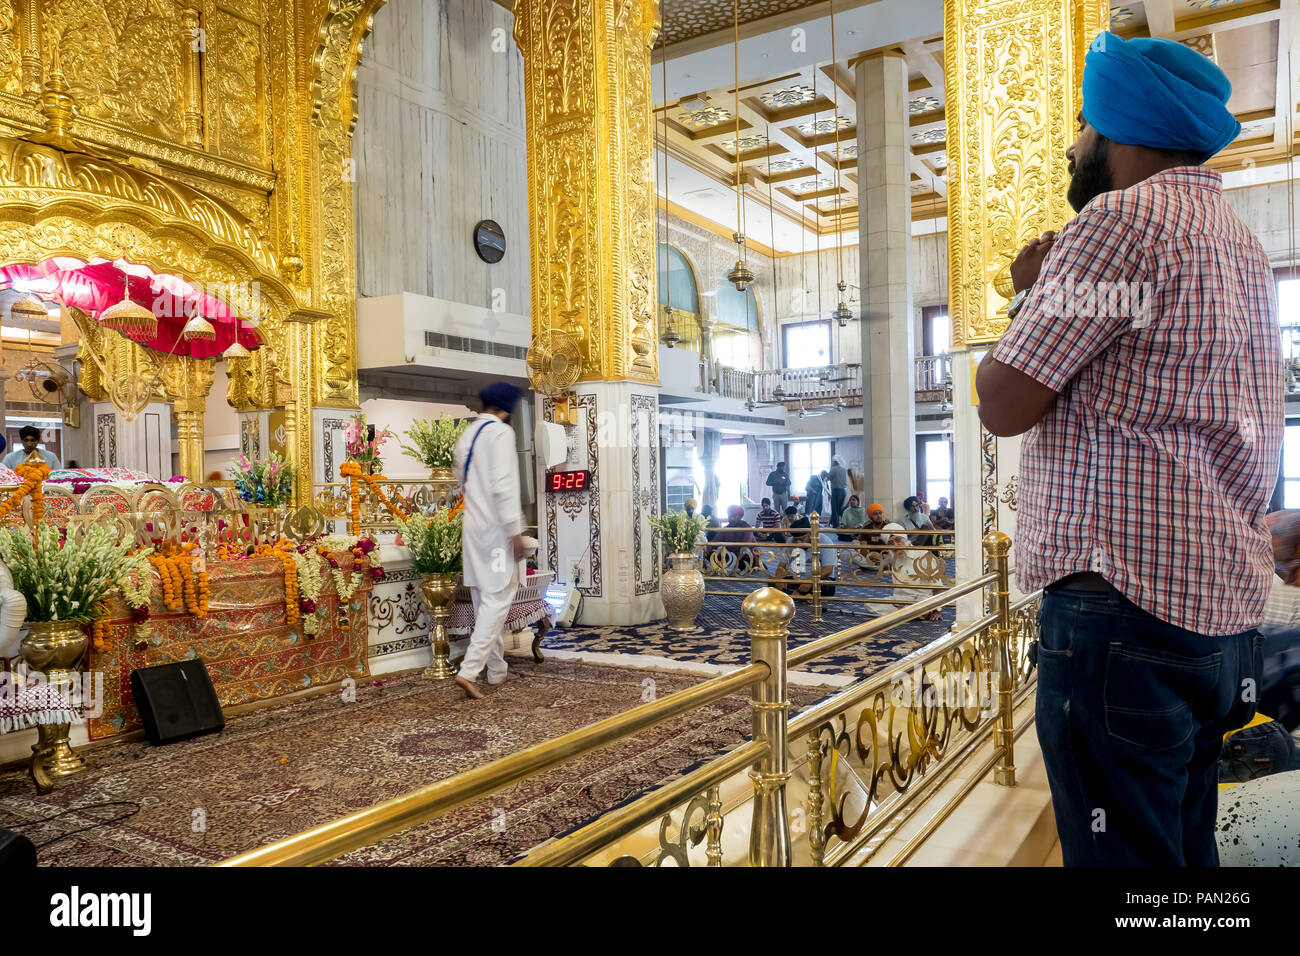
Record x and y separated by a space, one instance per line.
307 606
377 573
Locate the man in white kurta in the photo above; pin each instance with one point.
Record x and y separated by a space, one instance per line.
487 467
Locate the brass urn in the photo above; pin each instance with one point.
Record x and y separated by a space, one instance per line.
56 650
438 590
682 591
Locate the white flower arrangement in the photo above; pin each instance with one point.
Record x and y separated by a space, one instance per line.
346 583
64 581
680 532
434 540
435 440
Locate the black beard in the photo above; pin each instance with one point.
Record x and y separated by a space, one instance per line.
1089 177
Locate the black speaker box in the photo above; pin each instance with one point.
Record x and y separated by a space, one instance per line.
16 851
176 701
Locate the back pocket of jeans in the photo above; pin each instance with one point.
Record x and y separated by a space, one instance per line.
1148 694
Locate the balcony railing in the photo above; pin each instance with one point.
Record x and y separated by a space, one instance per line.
824 383
933 373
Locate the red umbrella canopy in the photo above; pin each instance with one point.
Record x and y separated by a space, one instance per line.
95 285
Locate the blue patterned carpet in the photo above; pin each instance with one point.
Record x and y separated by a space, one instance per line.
721 638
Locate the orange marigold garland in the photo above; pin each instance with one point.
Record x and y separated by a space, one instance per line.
184 586
352 471
33 475
283 549
99 627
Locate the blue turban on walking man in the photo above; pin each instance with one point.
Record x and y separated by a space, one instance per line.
1157 93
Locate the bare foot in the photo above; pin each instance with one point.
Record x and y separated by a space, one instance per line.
470 688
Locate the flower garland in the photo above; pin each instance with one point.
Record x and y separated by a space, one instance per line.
137 592
352 471
310 584
33 475
184 577
284 550
99 626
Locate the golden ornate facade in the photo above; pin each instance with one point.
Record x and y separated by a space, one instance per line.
209 141
1014 71
591 178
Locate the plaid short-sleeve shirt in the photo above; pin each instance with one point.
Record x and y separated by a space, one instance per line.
1155 320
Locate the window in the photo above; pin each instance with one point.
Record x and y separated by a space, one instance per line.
936 330
677 288
806 344
1291 464
807 457
732 470
1288 314
736 341
935 465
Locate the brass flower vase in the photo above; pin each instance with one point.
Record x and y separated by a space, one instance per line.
438 590
682 590
56 650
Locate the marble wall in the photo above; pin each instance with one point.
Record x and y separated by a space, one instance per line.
440 146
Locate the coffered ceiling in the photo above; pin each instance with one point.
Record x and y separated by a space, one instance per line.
797 136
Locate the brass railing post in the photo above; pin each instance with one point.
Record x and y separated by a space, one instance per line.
815 567
997 546
816 833
713 827
768 613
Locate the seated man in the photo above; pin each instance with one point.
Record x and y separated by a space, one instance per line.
794 577
942 516
853 516
737 532
915 519
872 559
31 436
768 517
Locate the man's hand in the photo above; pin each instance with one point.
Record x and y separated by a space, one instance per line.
1024 271
520 548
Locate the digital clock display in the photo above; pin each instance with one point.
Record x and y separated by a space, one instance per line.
568 480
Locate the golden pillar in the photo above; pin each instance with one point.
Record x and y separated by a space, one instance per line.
591 178
187 383
1013 73
1014 70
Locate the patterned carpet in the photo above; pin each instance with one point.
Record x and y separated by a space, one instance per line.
281 770
721 639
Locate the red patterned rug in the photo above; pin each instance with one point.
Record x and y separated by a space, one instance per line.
284 769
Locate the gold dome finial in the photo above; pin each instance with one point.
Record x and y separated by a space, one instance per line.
58 108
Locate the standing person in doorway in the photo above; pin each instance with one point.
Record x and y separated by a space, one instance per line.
487 467
839 488
813 495
779 482
1170 390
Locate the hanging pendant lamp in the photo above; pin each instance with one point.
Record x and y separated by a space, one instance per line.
27 308
739 276
236 351
129 315
200 329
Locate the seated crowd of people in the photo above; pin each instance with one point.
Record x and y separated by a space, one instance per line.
869 540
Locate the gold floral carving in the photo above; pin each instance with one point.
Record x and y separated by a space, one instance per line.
11 50
237 86
587 95
1013 70
124 60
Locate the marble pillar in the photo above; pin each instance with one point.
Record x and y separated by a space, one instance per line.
598 539
887 323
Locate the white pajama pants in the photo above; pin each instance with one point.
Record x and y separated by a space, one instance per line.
487 642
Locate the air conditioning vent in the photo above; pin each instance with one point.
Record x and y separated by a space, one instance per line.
458 343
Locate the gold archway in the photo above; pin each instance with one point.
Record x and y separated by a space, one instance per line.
55 203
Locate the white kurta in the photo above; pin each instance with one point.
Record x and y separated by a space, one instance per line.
493 515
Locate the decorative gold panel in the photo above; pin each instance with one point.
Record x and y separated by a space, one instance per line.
591 178
1013 72
124 60
236 87
11 49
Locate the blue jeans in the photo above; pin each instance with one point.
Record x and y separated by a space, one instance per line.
1131 712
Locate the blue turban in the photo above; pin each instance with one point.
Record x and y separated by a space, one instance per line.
1158 93
500 395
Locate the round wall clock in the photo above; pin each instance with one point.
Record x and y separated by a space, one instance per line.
489 241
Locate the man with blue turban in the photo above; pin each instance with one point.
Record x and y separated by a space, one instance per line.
487 467
1143 364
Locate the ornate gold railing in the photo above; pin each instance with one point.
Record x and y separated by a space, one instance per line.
858 562
902 745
